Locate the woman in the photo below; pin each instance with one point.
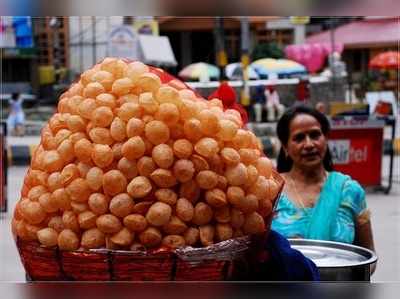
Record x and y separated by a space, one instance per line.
317 202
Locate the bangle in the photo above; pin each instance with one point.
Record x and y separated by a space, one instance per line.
364 217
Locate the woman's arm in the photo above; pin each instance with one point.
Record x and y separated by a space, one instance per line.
364 236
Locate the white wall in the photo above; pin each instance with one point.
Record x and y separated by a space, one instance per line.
81 31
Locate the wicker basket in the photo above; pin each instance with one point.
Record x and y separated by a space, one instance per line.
50 264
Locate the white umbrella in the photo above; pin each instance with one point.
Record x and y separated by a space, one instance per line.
234 71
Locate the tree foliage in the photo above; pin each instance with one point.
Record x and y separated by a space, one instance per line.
267 50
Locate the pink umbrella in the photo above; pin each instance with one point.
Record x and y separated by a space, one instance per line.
312 56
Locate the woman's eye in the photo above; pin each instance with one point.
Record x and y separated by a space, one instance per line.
298 138
315 135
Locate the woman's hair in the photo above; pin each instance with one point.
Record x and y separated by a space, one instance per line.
283 130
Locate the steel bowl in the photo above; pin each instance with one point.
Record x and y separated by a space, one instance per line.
337 261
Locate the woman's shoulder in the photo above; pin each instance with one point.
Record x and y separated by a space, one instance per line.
283 193
352 192
283 175
346 180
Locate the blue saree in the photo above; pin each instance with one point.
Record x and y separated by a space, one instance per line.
332 218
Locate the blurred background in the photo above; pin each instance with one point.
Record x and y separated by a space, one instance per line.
41 56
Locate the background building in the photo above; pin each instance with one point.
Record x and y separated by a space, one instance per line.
88 40
18 55
362 38
192 39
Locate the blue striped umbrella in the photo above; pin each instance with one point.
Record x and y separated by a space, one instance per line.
267 66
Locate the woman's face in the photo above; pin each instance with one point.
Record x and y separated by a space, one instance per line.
307 144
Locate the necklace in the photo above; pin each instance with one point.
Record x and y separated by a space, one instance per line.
300 199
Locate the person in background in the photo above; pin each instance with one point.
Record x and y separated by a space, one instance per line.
320 106
272 103
16 117
228 97
259 102
316 202
303 92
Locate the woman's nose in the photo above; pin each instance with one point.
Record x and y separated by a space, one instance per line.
308 142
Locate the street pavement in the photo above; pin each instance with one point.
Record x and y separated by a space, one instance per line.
385 221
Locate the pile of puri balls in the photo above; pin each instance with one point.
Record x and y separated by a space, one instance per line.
130 162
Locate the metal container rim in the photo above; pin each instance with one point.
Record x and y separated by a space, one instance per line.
367 253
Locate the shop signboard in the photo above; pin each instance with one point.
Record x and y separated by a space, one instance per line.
300 20
356 148
146 25
123 42
279 24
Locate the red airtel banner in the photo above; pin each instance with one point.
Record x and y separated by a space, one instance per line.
356 147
